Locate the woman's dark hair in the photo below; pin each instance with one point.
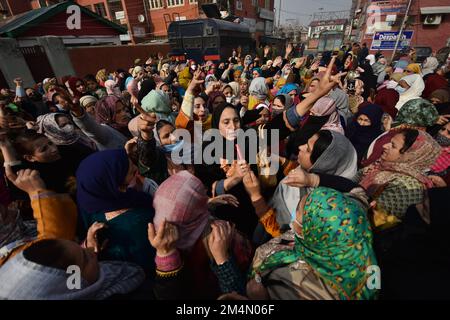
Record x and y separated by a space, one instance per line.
89 77
410 137
322 143
162 123
281 98
50 253
23 142
59 94
202 96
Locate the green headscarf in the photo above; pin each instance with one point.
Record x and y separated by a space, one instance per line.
337 244
417 112
158 101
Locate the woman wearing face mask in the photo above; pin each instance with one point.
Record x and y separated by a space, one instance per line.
71 142
228 92
61 100
104 196
280 103
156 146
409 87
325 256
364 128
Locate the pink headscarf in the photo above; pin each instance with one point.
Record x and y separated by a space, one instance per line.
182 200
327 107
111 88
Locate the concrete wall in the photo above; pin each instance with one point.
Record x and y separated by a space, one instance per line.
13 64
57 55
87 60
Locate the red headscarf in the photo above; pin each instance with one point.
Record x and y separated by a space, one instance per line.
73 86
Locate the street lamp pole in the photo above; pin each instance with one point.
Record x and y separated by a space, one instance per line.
401 30
279 14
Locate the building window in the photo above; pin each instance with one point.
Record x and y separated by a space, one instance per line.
175 3
156 4
115 6
254 3
193 1
267 4
239 5
100 9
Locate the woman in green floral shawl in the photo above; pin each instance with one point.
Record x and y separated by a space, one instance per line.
335 240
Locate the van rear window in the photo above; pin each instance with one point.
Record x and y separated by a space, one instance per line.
192 30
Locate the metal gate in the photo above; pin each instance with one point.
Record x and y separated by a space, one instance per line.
37 62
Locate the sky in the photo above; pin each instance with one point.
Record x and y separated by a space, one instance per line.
303 9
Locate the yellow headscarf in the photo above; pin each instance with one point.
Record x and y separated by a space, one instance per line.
414 67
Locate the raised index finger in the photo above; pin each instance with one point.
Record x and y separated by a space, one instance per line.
330 67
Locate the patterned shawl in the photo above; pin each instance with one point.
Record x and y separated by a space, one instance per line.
418 158
337 244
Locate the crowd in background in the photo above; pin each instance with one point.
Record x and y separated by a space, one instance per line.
364 156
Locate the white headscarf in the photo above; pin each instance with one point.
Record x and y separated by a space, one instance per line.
430 64
339 159
22 279
416 87
371 59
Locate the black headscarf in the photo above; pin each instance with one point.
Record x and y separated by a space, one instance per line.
146 86
362 136
217 113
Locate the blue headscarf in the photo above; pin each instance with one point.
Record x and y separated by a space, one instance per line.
99 177
258 70
288 87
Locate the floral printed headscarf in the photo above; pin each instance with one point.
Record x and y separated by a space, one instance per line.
336 243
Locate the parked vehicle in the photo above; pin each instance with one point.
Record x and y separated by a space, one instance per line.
208 39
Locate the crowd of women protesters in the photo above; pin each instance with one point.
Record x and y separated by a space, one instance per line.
358 208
